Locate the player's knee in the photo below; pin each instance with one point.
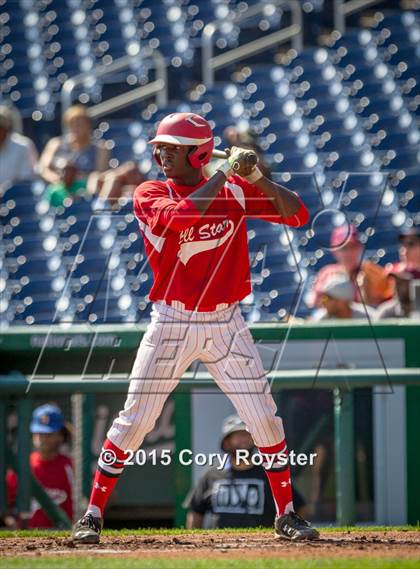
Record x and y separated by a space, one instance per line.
270 423
126 419
139 421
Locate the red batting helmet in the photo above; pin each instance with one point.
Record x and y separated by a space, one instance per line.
187 129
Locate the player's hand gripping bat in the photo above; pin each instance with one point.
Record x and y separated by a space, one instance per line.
242 160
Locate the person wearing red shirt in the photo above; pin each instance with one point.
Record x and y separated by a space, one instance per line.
195 237
52 469
369 281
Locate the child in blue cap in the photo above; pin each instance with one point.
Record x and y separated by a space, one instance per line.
51 468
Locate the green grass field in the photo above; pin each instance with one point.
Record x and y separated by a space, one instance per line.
182 531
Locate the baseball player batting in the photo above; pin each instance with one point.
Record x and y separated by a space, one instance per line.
195 237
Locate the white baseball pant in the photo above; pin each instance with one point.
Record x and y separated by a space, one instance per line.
172 341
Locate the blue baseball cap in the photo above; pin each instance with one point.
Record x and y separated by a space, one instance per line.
47 419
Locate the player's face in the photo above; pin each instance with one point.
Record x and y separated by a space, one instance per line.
47 443
174 160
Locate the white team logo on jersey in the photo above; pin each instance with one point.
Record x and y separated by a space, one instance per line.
190 246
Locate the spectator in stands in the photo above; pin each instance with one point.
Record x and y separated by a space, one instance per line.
237 495
69 163
409 252
18 155
120 182
52 469
401 274
402 305
369 281
76 164
336 300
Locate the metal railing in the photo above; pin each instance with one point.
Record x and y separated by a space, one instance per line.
343 9
210 63
158 87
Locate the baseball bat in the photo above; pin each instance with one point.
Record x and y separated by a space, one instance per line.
218 154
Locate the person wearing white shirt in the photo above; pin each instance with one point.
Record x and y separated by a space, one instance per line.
18 155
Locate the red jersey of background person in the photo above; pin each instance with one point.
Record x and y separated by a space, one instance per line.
193 255
55 476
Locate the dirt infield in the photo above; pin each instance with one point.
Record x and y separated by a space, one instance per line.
383 544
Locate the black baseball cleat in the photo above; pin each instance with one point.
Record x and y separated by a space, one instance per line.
291 526
87 529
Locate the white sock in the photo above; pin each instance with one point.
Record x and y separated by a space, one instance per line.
94 511
289 508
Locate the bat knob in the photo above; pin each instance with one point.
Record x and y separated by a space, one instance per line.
252 159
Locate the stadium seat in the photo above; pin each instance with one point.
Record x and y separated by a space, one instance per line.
350 107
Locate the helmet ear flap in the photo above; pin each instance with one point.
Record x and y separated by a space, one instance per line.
200 155
156 155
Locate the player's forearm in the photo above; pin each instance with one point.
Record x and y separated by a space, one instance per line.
203 197
189 210
286 202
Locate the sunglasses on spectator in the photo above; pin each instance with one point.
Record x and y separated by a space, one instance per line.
410 242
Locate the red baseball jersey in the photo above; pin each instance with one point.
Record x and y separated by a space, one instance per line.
200 259
55 476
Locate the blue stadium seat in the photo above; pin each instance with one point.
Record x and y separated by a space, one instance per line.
406 158
35 312
90 266
350 107
107 310
398 140
36 288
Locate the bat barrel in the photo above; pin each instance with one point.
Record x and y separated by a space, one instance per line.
218 153
221 154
